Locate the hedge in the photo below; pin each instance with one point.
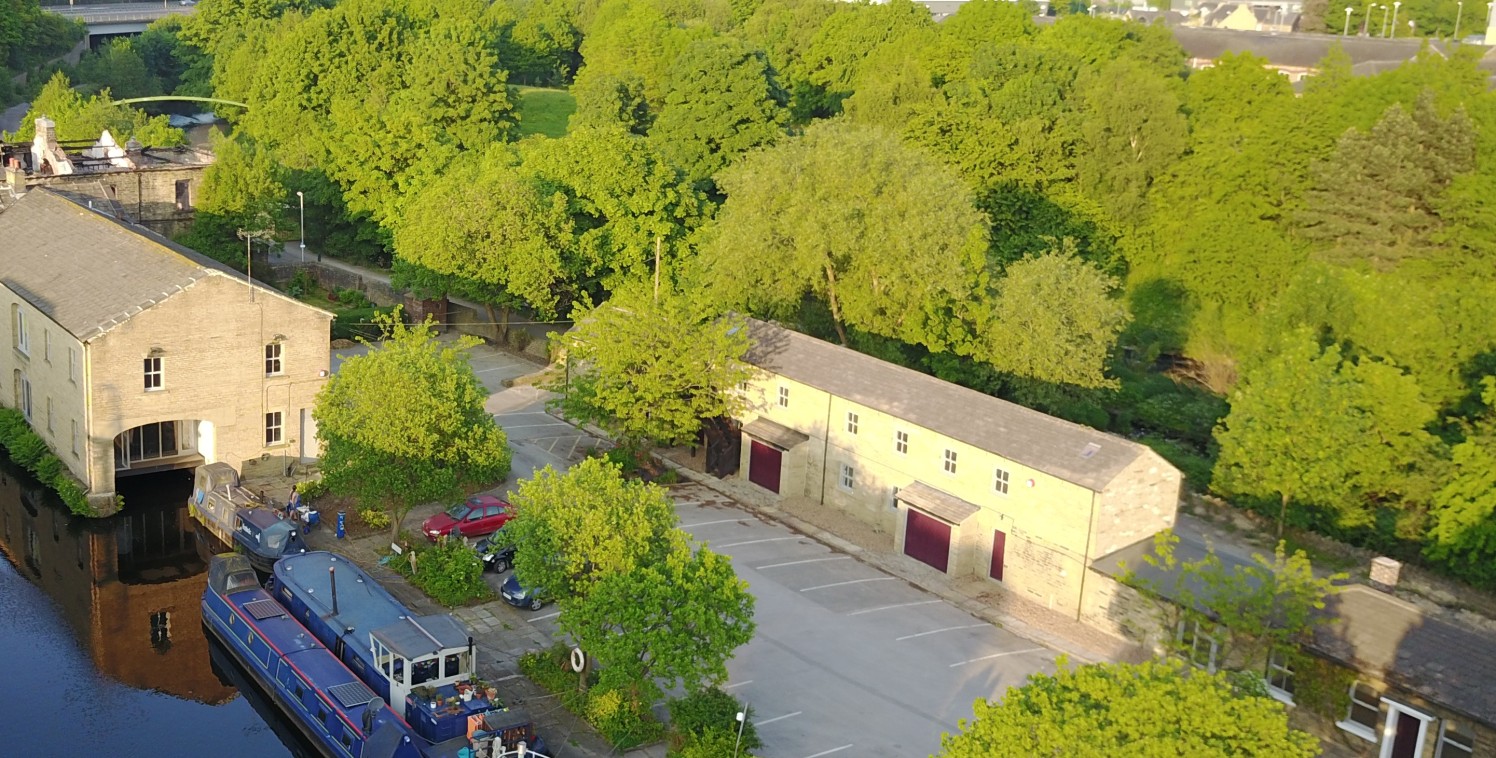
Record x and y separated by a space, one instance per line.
30 451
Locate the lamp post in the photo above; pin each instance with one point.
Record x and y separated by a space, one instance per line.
1395 6
301 203
1385 11
1346 32
742 719
1459 11
1366 20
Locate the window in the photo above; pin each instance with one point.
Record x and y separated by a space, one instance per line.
743 386
1361 716
1455 741
901 442
184 194
273 359
848 477
950 461
47 345
851 423
893 501
160 628
154 373
272 428
73 365
784 396
75 438
1279 677
23 395
49 414
1000 481
23 337
1198 645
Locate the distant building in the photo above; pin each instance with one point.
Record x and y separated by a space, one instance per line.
961 481
154 187
130 353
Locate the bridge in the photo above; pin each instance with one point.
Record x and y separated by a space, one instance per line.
114 19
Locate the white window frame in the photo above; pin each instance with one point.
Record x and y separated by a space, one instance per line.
1000 480
784 396
742 386
893 500
851 422
950 461
1277 663
275 421
1463 750
1368 733
1199 632
274 359
23 389
158 370
23 337
75 438
848 479
1396 712
72 364
901 442
47 345
49 414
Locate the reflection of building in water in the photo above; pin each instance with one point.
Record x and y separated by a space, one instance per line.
129 585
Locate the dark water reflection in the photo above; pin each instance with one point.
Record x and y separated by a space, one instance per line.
102 649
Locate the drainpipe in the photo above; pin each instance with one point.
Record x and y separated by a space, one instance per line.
826 451
1085 561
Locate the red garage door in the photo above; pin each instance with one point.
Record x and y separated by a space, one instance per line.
927 539
763 466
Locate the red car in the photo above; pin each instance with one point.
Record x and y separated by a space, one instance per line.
475 517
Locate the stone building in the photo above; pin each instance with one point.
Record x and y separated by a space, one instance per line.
959 480
151 186
132 354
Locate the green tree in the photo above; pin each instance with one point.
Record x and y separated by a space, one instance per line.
405 424
845 39
1376 201
180 66
649 369
721 100
544 42
575 529
1462 532
1308 426
1055 318
84 117
219 25
634 40
785 30
882 234
242 191
119 68
670 623
1109 709
1131 132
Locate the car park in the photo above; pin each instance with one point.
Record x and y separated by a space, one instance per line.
496 558
478 516
520 596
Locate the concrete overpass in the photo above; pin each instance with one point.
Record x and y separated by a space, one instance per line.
115 19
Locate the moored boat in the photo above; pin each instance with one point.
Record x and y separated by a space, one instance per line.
241 518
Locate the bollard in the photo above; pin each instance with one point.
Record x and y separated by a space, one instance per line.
342 528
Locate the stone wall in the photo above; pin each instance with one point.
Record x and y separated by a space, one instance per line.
147 196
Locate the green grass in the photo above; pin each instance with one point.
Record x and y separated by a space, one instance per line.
544 111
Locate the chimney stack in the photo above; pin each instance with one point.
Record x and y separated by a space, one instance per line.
1384 573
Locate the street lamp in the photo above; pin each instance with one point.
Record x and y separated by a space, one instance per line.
1395 6
1385 11
1366 21
1460 11
1346 32
742 719
301 203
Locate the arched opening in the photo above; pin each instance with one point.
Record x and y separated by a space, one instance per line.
160 446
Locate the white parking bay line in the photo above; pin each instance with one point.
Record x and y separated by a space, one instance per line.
738 684
937 631
829 752
843 584
777 718
807 560
546 616
998 655
709 523
753 542
891 607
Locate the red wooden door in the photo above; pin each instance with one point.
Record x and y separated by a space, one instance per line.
999 544
763 466
927 539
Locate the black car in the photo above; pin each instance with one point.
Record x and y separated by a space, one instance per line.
496 559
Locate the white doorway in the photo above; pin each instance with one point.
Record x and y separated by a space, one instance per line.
1404 732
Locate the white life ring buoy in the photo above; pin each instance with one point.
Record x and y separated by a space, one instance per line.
578 660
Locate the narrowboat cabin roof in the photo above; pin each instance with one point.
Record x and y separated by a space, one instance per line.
417 637
364 607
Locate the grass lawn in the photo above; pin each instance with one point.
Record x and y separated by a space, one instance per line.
544 111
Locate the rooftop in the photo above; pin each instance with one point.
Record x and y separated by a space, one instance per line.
1074 453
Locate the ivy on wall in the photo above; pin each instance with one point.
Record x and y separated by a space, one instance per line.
30 451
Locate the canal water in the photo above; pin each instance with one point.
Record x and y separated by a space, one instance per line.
101 635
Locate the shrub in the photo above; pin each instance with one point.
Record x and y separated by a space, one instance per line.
450 572
311 488
356 322
374 518
623 722
697 715
350 297
668 476
301 284
713 743
31 453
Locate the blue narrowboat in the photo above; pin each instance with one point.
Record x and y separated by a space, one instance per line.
240 518
345 712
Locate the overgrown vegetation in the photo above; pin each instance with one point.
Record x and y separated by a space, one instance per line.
28 450
620 718
449 571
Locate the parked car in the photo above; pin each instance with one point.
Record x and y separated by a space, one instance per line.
478 516
495 558
521 596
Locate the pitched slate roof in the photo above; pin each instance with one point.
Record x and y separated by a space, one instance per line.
1296 50
1071 452
87 271
1372 632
